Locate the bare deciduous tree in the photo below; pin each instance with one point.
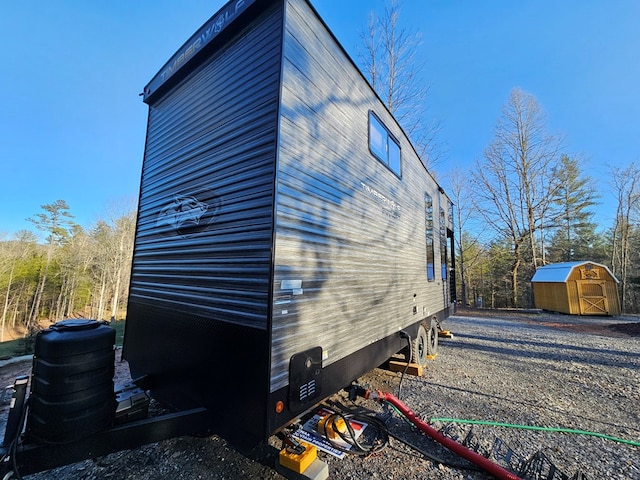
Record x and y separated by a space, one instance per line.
75 260
514 183
626 187
466 238
390 62
11 253
113 240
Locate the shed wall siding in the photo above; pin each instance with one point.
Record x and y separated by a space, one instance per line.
573 298
552 297
614 299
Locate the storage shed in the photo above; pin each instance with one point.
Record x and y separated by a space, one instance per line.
577 288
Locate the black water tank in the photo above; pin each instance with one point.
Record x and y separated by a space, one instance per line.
72 393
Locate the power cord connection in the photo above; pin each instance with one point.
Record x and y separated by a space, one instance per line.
406 336
341 426
485 464
383 432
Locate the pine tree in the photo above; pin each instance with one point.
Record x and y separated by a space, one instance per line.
55 221
575 234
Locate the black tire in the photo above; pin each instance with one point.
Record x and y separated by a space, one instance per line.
433 337
425 344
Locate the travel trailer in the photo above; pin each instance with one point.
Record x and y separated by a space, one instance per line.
287 229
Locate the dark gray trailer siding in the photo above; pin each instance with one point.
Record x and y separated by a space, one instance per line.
267 229
203 239
202 259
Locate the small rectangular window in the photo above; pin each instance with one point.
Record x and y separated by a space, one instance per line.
394 156
377 138
428 224
383 145
443 244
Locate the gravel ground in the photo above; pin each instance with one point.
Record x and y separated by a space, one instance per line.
545 370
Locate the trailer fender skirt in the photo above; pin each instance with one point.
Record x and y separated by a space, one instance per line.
487 465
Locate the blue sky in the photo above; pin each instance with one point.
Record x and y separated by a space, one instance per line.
72 125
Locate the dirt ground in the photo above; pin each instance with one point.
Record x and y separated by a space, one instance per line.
620 326
207 458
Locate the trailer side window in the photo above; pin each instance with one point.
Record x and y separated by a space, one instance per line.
443 244
428 215
383 146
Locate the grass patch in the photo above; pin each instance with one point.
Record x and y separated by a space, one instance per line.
24 346
118 325
16 348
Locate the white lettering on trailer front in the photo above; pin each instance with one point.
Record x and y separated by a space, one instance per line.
216 27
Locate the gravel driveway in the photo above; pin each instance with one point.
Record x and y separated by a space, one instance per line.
579 373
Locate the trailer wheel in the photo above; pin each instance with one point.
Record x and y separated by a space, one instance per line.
433 337
425 344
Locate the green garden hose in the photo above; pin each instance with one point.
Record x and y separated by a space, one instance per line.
541 429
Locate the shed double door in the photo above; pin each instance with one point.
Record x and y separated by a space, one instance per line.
592 298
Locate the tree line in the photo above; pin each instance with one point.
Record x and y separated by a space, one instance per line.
527 203
524 203
75 272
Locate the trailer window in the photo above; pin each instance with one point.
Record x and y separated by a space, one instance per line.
428 215
383 146
394 156
443 244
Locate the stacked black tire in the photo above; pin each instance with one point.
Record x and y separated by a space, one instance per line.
72 394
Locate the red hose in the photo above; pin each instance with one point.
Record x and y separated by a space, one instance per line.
487 465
